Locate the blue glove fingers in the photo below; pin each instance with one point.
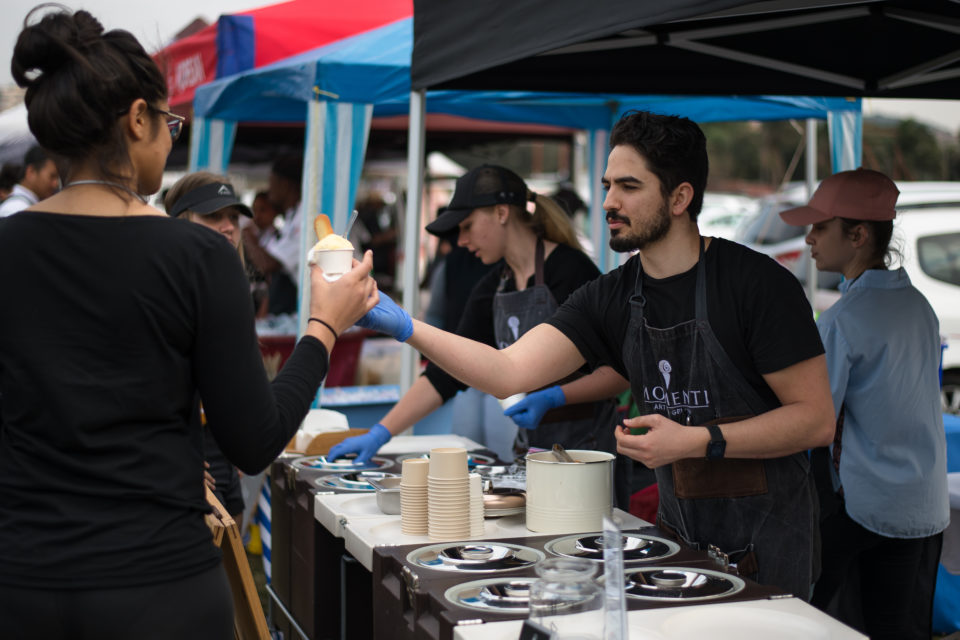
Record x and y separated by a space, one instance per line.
344 447
528 412
527 419
387 317
514 409
365 446
372 441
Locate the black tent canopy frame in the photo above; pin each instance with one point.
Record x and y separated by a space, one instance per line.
883 48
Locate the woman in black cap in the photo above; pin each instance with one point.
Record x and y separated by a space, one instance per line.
542 265
210 200
118 320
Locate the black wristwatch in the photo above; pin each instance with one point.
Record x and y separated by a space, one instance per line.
717 445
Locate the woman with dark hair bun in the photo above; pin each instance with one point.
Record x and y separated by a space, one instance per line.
118 321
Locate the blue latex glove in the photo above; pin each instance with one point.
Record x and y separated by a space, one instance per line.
528 412
389 318
365 446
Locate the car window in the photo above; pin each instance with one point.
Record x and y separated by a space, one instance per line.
939 257
767 227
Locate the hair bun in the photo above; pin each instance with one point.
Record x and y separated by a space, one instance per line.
44 47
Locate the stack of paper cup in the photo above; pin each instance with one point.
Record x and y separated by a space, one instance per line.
476 506
448 494
413 496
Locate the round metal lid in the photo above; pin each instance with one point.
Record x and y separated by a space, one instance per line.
680 583
354 481
473 459
506 476
475 557
320 463
500 595
636 547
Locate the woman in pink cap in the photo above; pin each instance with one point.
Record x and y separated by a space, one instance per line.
883 482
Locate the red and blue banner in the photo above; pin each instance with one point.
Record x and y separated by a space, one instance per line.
250 39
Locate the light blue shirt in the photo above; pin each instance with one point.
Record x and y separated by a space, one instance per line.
882 340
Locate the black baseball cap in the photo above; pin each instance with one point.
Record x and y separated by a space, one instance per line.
209 198
483 186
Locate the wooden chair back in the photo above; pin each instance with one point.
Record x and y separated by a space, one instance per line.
249 622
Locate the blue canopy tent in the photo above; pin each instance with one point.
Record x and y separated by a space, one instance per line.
336 89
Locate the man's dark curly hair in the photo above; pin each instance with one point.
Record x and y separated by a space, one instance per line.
674 148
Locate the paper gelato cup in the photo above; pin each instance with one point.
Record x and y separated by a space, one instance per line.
334 262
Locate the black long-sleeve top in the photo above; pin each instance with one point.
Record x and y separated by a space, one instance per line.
111 329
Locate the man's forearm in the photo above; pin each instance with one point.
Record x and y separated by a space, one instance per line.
805 420
601 384
538 358
780 432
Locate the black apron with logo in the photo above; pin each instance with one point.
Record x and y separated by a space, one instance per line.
579 426
761 513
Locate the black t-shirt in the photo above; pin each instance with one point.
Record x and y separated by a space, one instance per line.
564 271
756 308
111 329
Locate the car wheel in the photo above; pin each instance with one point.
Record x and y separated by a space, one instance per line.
950 392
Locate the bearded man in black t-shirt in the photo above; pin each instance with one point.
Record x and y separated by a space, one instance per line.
707 333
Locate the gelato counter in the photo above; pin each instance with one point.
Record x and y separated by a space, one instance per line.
351 572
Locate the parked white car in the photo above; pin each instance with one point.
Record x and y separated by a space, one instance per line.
927 233
930 246
723 213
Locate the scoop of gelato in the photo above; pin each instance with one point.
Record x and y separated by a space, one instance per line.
332 242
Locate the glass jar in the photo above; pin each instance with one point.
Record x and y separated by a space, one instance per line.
566 587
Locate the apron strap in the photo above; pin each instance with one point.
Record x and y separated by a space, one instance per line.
538 262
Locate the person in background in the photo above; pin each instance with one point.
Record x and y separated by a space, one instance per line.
209 200
277 255
9 175
264 215
720 349
474 414
543 265
259 230
883 480
375 229
38 181
124 319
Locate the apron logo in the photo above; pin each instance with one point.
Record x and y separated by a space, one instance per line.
665 370
674 403
514 323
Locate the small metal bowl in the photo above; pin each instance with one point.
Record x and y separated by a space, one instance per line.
388 494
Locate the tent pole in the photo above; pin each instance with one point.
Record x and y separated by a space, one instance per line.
411 228
598 160
811 186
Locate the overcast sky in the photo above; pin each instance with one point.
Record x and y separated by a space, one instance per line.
153 22
156 21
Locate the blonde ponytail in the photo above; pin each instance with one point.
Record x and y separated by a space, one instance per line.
550 221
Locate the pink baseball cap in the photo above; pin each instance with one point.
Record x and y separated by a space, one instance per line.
862 194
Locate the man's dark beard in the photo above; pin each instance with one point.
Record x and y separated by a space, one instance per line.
625 241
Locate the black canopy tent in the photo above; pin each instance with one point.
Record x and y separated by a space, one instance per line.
878 48
850 48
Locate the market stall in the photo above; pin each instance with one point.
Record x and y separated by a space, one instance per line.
339 88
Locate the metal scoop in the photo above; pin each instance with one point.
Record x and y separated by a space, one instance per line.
561 454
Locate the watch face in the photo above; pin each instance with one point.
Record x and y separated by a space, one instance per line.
716 449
